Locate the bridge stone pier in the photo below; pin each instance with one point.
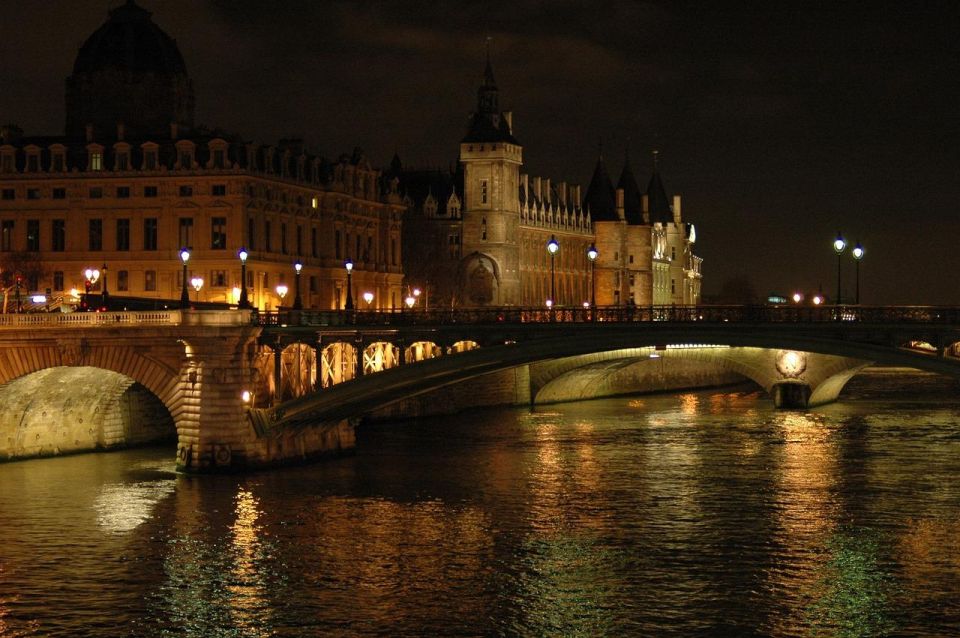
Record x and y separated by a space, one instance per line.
85 381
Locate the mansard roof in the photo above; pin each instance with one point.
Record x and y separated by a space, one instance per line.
632 200
600 198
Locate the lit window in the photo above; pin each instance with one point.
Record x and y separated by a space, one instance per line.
96 161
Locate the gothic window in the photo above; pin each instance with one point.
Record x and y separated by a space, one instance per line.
483 228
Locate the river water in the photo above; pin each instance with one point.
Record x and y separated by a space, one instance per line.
703 513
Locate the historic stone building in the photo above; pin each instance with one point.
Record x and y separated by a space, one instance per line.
133 181
477 234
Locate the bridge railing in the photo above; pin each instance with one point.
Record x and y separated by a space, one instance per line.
614 314
90 319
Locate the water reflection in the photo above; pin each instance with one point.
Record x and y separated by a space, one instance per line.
694 514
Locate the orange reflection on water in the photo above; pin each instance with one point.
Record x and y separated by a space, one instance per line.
247 590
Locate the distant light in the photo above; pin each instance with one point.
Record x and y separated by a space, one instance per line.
817 300
776 299
368 297
586 304
549 303
246 396
654 355
410 300
797 297
39 299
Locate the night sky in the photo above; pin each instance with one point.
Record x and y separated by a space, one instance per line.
778 124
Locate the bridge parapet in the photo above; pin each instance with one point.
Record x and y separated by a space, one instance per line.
134 319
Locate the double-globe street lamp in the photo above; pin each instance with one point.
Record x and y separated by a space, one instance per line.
90 277
349 303
197 283
184 295
297 300
552 247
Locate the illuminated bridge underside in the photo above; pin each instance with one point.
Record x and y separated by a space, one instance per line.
831 363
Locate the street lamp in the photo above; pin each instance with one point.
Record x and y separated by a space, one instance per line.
552 248
368 297
797 297
592 255
410 300
349 304
104 294
197 283
282 292
857 256
184 295
90 277
19 302
839 244
244 300
297 301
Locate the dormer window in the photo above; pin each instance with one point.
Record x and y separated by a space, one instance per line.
150 155
58 162
7 164
94 157
121 156
218 154
33 159
185 154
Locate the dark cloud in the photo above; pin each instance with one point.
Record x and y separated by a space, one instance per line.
778 123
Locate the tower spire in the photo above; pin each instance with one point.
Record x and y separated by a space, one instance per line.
656 160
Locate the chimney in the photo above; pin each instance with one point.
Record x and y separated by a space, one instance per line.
89 132
174 131
677 219
525 184
536 189
546 191
508 117
121 129
562 190
645 205
620 213
575 195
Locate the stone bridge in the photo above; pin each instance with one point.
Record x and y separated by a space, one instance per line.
240 391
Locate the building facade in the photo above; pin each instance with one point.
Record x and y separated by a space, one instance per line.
478 234
132 182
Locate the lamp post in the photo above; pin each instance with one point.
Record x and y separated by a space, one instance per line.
90 277
184 295
297 301
857 256
197 283
839 244
281 292
349 304
105 294
552 247
19 301
244 300
592 255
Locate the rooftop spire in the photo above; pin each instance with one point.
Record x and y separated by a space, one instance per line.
656 160
488 72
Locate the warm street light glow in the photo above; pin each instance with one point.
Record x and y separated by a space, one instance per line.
797 297
586 304
348 265
246 396
410 300
368 297
549 303
349 303
298 266
817 300
282 291
197 283
236 293
416 292
91 275
184 255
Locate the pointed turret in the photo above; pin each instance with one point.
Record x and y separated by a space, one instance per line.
658 205
600 198
488 124
632 200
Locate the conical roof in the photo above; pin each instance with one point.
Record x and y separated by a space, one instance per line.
632 200
659 204
600 198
